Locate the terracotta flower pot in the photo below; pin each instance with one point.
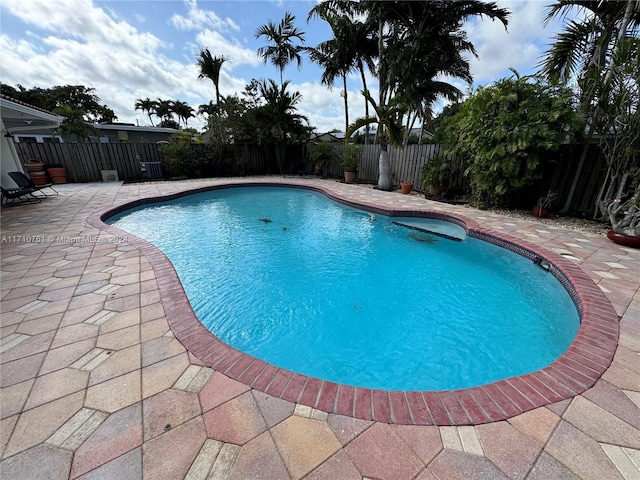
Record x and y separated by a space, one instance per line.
39 178
57 174
622 239
406 187
541 212
349 177
34 165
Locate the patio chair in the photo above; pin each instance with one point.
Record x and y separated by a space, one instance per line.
25 182
17 196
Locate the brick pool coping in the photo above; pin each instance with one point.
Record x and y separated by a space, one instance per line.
575 371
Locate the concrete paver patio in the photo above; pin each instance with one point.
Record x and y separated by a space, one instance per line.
95 384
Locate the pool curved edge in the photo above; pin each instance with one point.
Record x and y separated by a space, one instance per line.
575 371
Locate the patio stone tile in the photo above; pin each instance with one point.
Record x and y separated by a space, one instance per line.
11 318
507 448
151 312
194 378
160 349
30 346
19 292
121 320
304 444
536 424
455 465
52 295
220 389
622 377
6 429
259 459
18 303
127 466
559 407
547 468
40 325
614 401
63 357
601 425
237 421
42 462
347 428
89 287
153 329
167 410
150 298
36 425
339 466
626 460
162 375
118 363
274 410
20 370
380 453
14 397
78 315
117 435
122 304
119 339
79 427
85 300
161 459
55 385
115 394
425 442
74 333
581 454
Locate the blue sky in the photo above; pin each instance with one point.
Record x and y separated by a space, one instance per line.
147 48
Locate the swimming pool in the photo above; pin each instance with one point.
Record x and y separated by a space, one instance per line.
357 299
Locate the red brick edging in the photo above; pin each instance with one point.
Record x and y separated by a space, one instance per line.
575 371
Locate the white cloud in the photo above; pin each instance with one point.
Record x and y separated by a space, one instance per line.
198 19
229 47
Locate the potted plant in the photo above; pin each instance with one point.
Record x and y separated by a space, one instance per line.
624 216
57 173
435 173
350 161
322 154
543 208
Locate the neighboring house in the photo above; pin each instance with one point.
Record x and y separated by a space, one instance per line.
20 118
105 133
337 137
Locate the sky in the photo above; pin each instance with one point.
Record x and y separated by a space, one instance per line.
133 49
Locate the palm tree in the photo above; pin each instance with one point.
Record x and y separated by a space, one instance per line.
210 67
183 111
586 48
147 105
283 50
164 109
278 118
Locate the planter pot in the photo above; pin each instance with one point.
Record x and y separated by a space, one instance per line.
406 187
349 177
39 178
34 165
622 239
57 174
541 212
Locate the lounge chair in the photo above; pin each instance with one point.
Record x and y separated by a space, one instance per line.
25 182
16 196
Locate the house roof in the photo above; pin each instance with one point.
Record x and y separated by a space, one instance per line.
18 116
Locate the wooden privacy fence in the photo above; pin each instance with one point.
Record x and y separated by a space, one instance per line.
84 162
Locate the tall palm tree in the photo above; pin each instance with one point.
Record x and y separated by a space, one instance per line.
147 105
282 51
183 111
585 48
164 109
210 67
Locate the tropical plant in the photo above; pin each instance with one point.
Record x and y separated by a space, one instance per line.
147 105
278 122
183 111
586 49
283 50
351 156
210 67
74 122
323 154
508 131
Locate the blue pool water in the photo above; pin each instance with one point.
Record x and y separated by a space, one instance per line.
325 290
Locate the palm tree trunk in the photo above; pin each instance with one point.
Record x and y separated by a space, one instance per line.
346 108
